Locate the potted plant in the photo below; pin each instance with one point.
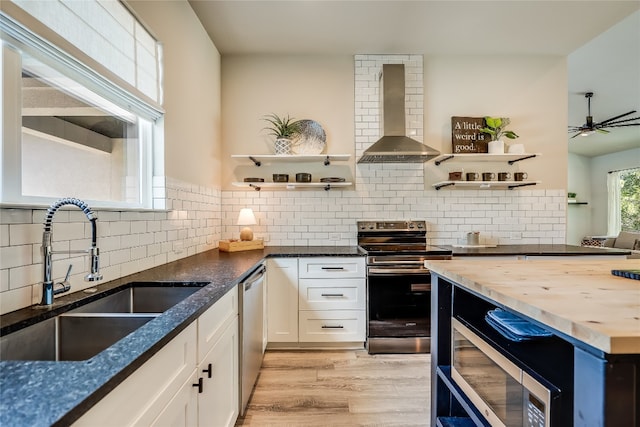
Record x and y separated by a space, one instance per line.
284 129
495 128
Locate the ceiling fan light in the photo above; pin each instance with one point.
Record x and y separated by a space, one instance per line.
587 132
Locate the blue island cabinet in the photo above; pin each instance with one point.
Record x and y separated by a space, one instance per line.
586 386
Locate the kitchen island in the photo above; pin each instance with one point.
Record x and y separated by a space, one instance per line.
592 359
531 250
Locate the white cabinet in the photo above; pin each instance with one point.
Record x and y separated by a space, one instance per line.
332 299
182 410
316 300
282 300
140 398
191 381
218 399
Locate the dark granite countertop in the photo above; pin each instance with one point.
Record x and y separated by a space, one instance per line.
41 393
536 250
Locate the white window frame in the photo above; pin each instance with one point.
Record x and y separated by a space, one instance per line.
614 205
17 37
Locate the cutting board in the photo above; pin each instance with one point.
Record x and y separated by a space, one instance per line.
240 245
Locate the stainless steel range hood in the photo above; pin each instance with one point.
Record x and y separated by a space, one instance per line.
395 146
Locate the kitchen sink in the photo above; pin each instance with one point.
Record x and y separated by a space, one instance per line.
83 332
139 299
70 336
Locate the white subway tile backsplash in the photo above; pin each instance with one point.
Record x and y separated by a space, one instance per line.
129 241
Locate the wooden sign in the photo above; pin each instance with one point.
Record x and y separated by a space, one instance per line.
466 136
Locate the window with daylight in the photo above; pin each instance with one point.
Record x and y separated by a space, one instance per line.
624 201
69 132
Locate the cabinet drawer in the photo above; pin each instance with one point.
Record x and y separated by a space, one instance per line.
332 326
213 322
336 294
329 267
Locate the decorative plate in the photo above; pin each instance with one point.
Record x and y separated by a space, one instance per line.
310 140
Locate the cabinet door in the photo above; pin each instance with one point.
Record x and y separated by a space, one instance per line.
218 403
282 299
214 321
140 398
182 411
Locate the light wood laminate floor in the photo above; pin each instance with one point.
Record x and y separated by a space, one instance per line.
340 388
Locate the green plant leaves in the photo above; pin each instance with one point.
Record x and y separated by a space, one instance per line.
282 127
493 122
495 128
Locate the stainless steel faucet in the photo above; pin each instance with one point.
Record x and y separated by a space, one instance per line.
48 286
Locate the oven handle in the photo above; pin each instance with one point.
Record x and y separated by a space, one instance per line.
396 262
374 271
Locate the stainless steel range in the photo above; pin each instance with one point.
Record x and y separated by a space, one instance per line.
398 285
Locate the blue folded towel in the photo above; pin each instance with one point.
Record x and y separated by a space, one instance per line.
513 327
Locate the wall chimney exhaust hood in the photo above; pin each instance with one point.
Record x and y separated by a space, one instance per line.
395 146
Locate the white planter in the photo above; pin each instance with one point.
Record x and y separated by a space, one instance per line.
496 147
282 146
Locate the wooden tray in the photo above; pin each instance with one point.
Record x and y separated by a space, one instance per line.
239 245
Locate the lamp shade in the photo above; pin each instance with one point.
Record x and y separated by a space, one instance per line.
246 217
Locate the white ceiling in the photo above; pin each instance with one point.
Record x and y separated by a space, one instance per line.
602 59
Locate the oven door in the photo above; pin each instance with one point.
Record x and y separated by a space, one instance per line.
399 310
502 392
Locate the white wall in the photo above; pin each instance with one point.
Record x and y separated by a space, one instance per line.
579 182
191 91
320 88
531 90
533 94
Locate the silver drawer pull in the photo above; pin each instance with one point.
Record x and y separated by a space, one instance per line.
333 268
332 327
332 295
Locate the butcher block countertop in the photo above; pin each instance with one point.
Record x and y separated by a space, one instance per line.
580 299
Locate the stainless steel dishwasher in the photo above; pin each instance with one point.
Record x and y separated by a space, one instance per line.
251 328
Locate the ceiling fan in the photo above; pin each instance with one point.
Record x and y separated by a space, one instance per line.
590 127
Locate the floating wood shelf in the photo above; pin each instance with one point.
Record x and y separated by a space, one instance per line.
483 157
291 185
485 185
259 159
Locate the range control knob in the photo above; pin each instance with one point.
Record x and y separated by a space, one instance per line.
420 225
411 225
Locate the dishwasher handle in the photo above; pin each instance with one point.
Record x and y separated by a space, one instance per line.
255 277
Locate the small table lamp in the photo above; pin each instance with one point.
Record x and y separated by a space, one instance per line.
246 217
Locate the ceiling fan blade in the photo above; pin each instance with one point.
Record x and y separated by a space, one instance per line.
623 125
616 117
621 121
601 130
575 135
